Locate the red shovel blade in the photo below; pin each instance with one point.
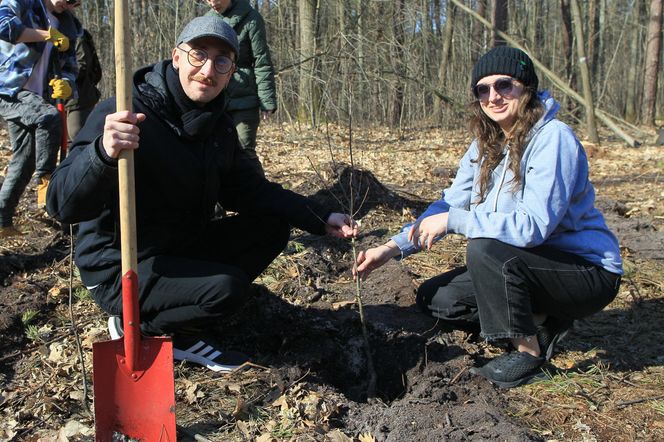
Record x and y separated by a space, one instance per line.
139 404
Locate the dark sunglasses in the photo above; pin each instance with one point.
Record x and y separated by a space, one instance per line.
72 2
503 86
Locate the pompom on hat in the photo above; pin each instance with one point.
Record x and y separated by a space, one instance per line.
508 61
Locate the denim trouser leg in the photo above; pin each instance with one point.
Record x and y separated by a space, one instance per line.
511 284
34 131
19 171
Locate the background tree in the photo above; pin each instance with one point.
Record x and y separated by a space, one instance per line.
408 63
499 20
654 45
307 98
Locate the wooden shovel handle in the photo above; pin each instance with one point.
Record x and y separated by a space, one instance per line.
130 309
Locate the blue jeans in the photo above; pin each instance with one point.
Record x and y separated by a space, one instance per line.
502 287
35 130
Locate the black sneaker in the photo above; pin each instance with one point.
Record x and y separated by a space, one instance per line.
203 351
550 333
206 352
511 369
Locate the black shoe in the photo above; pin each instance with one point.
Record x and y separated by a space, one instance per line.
205 351
511 369
550 333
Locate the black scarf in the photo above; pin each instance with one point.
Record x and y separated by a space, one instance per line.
196 122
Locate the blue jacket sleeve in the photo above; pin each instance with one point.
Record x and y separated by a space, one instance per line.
457 195
11 25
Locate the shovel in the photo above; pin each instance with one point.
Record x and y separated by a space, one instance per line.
133 376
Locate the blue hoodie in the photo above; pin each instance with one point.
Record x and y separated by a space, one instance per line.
554 205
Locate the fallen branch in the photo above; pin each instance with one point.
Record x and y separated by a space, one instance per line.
638 401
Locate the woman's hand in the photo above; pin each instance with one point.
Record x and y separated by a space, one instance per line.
341 226
121 132
374 258
423 233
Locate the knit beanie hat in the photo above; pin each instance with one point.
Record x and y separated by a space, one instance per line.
506 60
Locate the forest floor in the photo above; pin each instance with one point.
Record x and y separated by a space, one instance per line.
302 328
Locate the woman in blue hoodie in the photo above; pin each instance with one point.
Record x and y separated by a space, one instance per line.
539 253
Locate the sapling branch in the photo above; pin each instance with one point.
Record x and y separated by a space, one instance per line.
371 371
348 205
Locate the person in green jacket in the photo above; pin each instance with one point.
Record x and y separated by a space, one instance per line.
251 92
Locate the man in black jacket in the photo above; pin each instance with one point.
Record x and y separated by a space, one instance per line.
192 270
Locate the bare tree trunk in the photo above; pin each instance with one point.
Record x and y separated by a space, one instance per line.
568 48
654 43
535 27
631 86
306 103
585 74
397 92
478 29
438 16
499 20
593 38
445 59
567 37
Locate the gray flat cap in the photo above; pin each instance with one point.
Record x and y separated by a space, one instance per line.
210 26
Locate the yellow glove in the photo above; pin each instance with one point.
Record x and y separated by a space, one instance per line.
61 88
60 42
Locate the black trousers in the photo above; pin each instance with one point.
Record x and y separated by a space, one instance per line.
502 287
203 282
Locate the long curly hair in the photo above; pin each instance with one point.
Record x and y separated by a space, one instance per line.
491 138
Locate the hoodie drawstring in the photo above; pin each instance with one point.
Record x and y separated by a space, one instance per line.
502 177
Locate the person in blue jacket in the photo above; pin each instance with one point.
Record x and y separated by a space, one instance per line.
37 66
539 254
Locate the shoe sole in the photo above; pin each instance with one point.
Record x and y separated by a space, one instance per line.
517 383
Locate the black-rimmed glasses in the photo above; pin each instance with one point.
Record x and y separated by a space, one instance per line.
503 86
198 57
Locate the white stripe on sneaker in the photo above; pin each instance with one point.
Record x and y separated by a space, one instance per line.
195 347
207 350
206 355
214 355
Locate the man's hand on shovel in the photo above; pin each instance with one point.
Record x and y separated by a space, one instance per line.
121 132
